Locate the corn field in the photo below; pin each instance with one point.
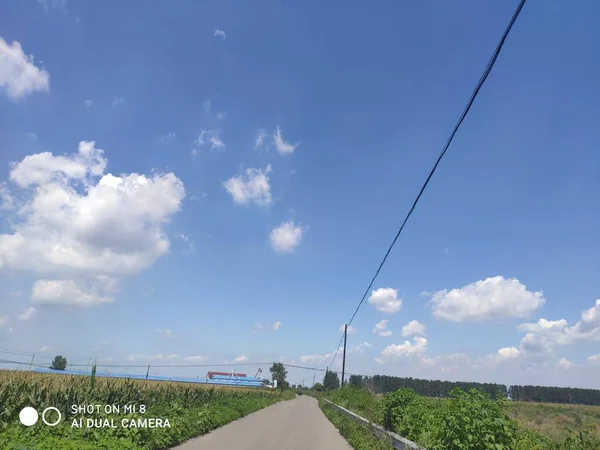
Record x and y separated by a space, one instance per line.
193 409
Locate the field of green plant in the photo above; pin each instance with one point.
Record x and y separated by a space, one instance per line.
191 409
472 421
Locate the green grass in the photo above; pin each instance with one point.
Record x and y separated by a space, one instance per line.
555 420
358 436
472 421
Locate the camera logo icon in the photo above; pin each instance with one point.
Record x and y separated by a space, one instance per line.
29 416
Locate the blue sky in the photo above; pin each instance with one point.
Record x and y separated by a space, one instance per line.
243 119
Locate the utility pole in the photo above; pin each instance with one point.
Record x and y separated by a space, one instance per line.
344 360
31 363
313 380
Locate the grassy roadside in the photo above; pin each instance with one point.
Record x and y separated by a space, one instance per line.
192 410
473 421
358 436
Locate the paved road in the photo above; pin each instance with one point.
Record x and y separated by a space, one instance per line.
296 424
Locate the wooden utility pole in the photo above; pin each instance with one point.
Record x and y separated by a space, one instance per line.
344 359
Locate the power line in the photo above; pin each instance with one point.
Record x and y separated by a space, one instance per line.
480 83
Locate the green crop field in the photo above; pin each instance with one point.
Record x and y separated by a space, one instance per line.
190 410
468 421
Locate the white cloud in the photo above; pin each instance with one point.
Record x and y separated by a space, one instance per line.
426 294
43 349
210 138
381 329
261 137
66 292
82 230
487 299
395 352
351 329
286 237
318 360
543 336
360 348
251 187
198 358
220 34
283 148
413 328
564 364
27 313
276 326
165 332
18 74
194 152
594 359
386 300
7 202
240 359
87 103
508 353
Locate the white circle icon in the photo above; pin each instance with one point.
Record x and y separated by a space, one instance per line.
28 416
50 424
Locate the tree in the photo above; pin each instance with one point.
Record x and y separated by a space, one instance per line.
59 363
266 381
278 373
331 381
355 381
318 387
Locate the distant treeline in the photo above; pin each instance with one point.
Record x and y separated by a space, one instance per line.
382 384
555 395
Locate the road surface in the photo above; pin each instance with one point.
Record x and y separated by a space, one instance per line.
295 424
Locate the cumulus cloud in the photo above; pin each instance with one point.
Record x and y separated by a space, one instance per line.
18 74
286 237
251 187
508 353
220 34
198 358
320 359
351 329
240 359
276 326
381 328
210 138
27 313
7 202
283 147
594 359
82 230
544 335
66 292
413 328
359 348
564 364
395 352
386 300
492 298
